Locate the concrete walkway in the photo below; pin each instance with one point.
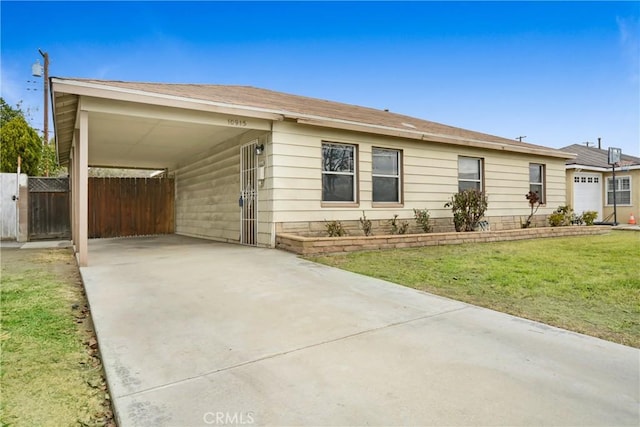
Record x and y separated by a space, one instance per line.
197 333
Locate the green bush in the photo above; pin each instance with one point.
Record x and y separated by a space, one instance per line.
396 227
589 217
365 224
423 217
562 216
335 229
468 208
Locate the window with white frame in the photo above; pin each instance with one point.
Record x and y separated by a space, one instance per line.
622 189
536 180
386 175
338 172
469 173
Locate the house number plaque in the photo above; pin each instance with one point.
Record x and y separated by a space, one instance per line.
237 122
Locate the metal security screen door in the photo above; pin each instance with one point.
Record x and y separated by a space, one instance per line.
248 194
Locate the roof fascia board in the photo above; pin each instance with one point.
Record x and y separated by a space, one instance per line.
601 169
424 136
587 168
143 97
148 111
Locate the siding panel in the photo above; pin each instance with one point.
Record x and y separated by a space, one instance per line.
207 192
430 172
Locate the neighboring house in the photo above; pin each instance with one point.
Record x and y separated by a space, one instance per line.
590 184
250 163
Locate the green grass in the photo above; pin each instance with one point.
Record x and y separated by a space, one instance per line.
585 284
47 376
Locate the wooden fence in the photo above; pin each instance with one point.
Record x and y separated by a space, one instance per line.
49 208
121 207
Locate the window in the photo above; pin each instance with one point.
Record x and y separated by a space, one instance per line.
623 190
469 173
338 173
536 180
386 175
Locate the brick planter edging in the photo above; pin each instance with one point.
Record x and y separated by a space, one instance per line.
326 245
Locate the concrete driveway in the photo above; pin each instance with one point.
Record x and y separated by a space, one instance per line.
197 333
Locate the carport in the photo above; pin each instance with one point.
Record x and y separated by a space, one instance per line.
103 125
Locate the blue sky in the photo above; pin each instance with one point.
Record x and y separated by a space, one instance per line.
558 73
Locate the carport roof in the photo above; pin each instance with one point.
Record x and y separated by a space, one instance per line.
267 104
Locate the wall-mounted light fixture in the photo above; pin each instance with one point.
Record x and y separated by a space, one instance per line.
259 149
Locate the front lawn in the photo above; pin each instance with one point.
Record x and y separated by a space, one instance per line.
585 284
50 373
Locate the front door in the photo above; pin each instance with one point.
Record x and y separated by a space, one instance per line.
248 194
587 193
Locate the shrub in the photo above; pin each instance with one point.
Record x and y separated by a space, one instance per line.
468 208
365 224
335 229
422 217
561 217
589 217
398 228
534 203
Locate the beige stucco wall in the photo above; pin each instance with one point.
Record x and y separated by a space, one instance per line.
623 211
207 192
570 173
430 173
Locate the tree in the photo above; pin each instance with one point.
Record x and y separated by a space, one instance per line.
17 138
534 202
48 165
8 113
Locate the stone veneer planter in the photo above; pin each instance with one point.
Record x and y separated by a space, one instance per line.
325 245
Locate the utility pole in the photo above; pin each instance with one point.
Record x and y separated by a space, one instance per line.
45 55
520 138
37 70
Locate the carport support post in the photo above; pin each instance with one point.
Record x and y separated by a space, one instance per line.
83 189
72 199
74 189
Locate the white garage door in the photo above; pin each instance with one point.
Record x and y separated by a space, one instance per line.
587 193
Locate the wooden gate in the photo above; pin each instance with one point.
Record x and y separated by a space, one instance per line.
121 207
49 208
